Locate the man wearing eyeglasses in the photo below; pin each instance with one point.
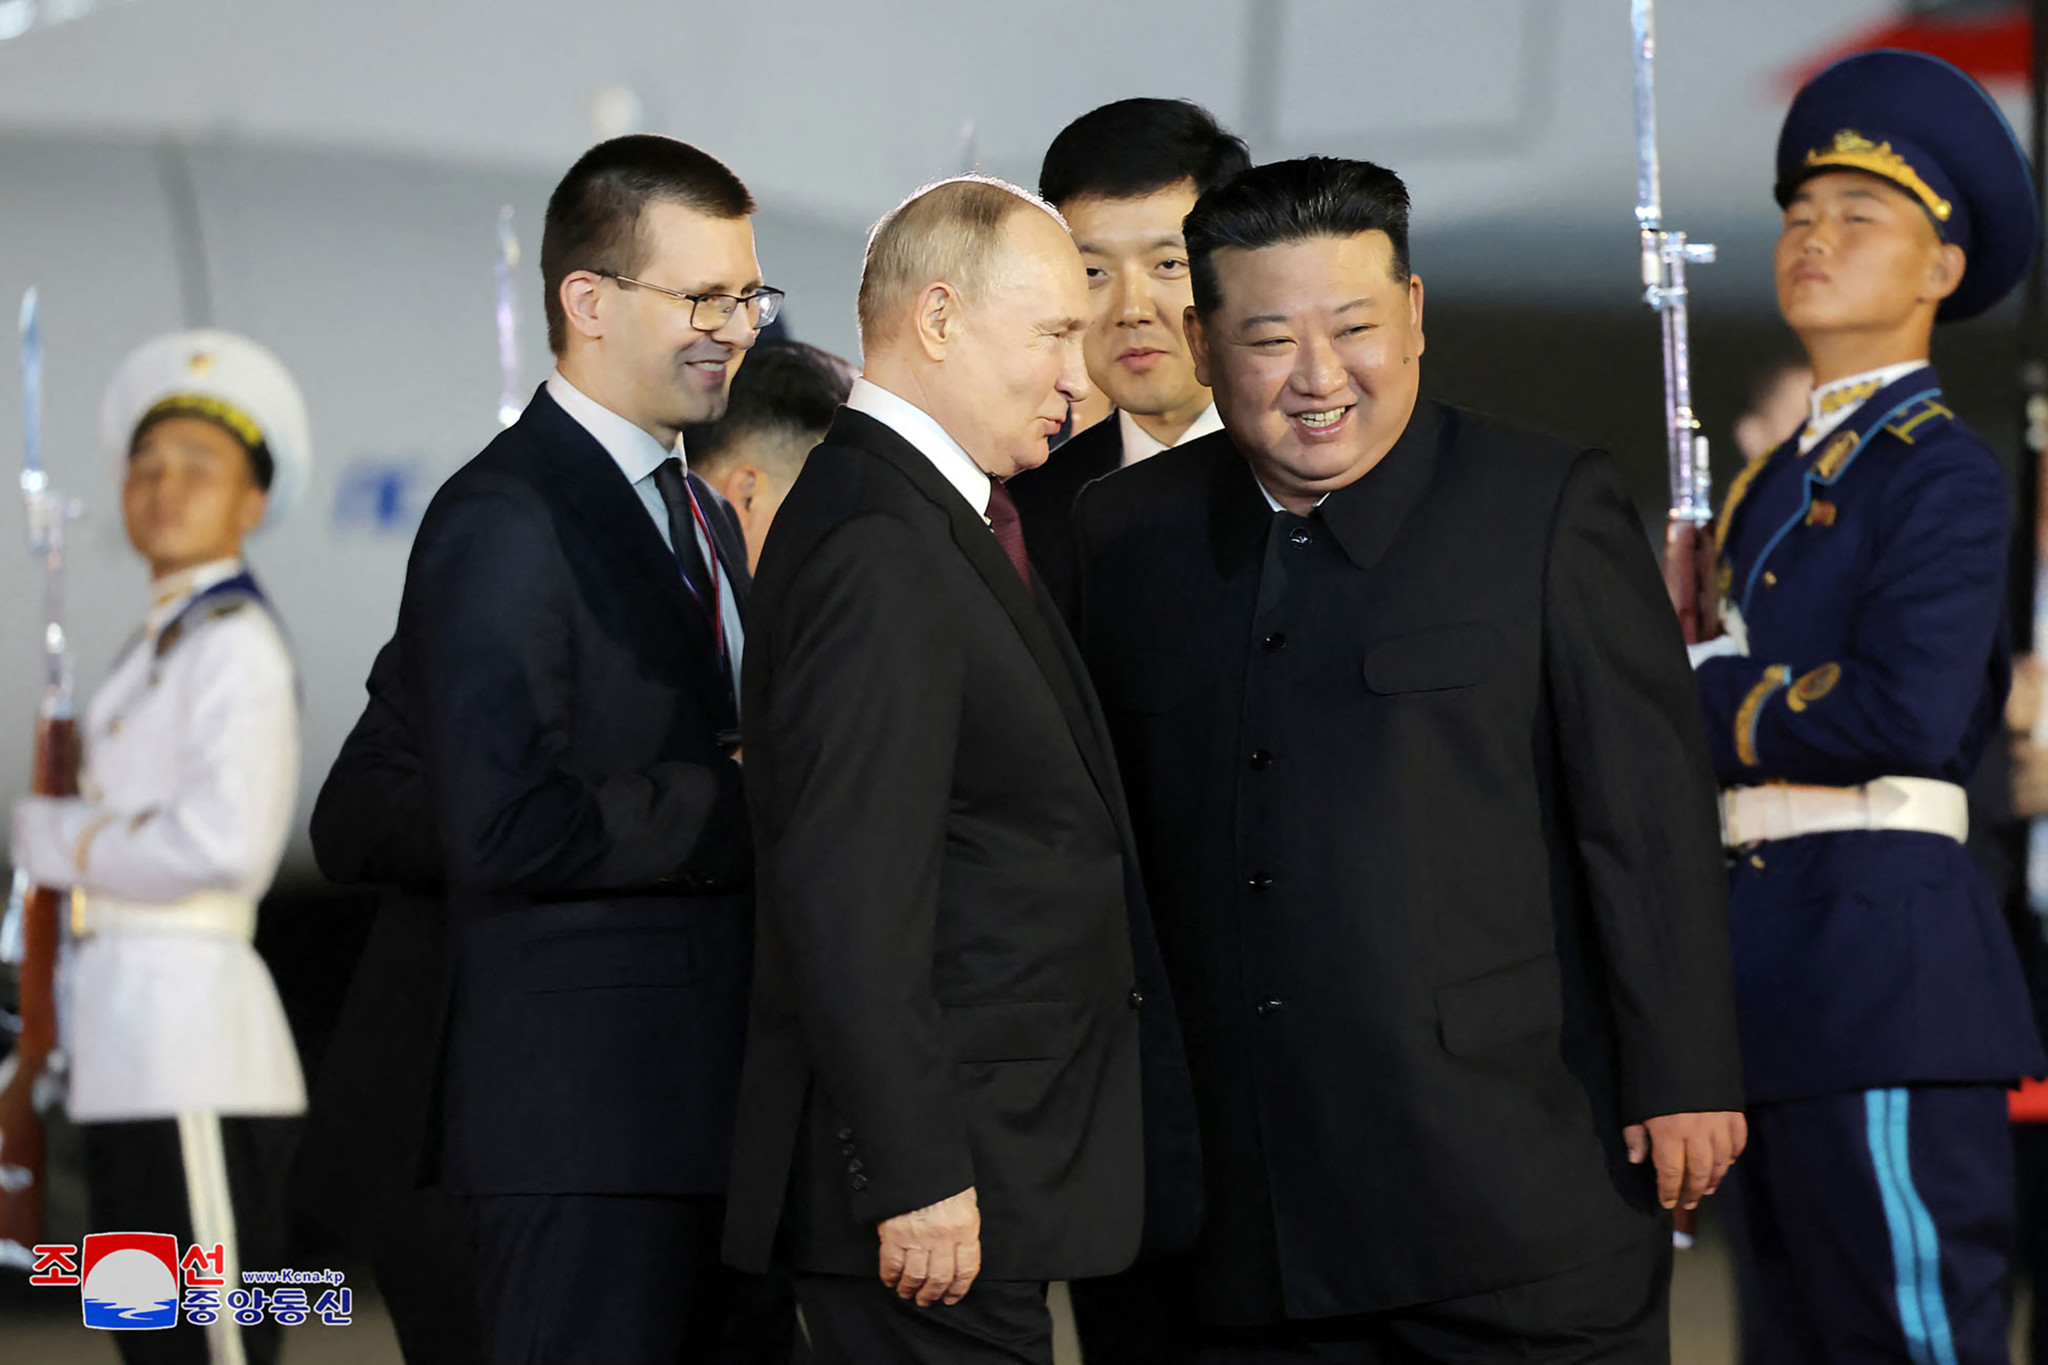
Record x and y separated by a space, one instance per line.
565 665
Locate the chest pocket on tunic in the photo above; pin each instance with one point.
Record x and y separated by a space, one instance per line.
1435 659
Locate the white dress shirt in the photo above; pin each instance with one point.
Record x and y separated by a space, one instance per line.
922 430
1140 444
191 769
638 455
1830 405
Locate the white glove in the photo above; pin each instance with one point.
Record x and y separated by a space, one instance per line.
45 844
1732 641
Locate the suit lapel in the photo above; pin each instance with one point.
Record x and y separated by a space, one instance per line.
1061 668
579 475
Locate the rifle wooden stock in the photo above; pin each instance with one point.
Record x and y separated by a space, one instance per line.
21 1130
1689 556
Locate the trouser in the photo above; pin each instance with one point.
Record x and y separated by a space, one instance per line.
1876 1226
576 1279
204 1179
421 1253
1145 1316
858 1320
1613 1311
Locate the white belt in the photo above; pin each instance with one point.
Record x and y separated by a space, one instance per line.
220 914
1755 815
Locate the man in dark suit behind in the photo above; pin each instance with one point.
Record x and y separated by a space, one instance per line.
1124 176
1427 817
941 1107
366 1161
567 647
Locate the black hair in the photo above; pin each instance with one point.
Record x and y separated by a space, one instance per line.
1293 201
1137 147
593 220
782 388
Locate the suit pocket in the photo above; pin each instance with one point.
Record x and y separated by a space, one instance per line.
1011 1031
607 958
1433 660
1482 1014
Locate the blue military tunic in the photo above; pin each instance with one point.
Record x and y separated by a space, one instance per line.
1870 572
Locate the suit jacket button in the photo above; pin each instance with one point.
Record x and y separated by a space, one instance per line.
1261 760
1275 642
1271 1006
845 1135
1137 999
1259 881
859 1182
1300 535
848 1150
854 1167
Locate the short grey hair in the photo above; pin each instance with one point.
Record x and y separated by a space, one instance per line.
947 231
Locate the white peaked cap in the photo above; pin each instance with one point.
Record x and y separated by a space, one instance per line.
251 385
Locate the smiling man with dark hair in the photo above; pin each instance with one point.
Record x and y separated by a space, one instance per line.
1425 815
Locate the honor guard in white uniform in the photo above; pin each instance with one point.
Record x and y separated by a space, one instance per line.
182 1072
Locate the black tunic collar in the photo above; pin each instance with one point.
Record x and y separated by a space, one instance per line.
1364 515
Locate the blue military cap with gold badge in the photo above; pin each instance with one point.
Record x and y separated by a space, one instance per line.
1926 127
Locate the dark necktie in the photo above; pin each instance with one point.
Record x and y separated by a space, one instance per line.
682 534
700 577
1002 519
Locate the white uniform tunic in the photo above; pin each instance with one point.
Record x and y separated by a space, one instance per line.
191 765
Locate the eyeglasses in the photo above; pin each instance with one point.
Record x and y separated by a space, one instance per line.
709 312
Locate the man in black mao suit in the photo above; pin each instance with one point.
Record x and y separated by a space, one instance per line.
941 1107
1427 822
567 644
1124 176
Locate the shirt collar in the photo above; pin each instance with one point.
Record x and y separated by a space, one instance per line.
636 453
1140 444
1833 404
923 431
169 594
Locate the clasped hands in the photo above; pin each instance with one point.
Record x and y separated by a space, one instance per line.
932 1254
1691 1152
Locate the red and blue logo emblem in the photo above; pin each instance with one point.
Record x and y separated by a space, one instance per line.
130 1280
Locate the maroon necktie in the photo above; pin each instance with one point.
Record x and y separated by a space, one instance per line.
1002 519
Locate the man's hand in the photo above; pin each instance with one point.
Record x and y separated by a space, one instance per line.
1690 1151
934 1253
2023 702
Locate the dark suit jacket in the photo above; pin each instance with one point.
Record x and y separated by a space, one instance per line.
950 985
1428 828
566 696
1045 499
371 1132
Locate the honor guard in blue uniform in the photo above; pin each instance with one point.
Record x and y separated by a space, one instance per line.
1864 670
183 1077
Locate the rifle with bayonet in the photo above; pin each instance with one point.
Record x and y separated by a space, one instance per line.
28 937
1689 551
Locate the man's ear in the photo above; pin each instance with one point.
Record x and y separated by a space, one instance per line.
254 504
582 303
735 485
937 319
1415 311
1198 346
1947 271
